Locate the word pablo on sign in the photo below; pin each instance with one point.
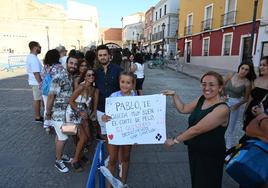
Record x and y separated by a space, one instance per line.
136 119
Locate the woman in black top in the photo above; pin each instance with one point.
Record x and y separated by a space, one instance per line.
205 136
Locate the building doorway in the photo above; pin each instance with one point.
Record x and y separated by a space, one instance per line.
245 48
188 50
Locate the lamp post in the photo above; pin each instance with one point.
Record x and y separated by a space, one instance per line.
253 31
47 28
163 39
132 47
78 44
138 46
150 41
122 32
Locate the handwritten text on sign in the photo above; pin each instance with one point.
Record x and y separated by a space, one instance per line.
136 120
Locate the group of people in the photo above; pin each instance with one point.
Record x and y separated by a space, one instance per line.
78 91
74 91
216 111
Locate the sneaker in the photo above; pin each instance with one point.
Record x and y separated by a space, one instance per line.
66 158
125 186
39 120
120 170
61 166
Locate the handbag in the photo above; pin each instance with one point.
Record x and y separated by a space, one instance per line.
248 164
69 128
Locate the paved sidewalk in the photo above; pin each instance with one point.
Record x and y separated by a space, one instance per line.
12 73
195 71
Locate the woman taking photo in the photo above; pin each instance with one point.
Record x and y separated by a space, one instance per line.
79 111
237 90
205 136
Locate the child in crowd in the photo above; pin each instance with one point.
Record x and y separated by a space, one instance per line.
122 152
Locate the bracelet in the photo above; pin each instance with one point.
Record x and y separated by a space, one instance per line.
261 120
176 141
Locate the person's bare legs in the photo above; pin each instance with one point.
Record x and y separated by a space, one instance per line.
80 144
113 153
139 92
125 158
37 108
59 148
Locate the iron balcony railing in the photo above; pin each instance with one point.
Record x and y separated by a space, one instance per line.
206 24
229 18
157 36
188 30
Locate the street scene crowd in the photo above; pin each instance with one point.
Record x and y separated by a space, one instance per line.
72 90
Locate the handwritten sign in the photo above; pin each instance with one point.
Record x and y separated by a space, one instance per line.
136 120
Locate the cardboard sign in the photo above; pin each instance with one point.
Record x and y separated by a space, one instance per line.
136 119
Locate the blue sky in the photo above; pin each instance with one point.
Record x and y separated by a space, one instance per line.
111 11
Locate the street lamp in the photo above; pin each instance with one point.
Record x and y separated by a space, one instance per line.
132 40
138 46
78 44
253 31
47 28
163 39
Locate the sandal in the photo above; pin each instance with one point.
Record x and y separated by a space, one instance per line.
77 167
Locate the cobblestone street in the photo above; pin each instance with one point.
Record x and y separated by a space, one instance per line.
27 152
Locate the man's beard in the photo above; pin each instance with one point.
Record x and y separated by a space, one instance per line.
104 63
71 70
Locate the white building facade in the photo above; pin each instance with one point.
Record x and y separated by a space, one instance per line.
133 29
262 44
165 27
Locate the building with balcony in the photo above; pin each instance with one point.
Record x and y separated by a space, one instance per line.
262 44
165 27
148 29
216 33
22 21
133 30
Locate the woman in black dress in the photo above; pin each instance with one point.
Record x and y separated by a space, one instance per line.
205 136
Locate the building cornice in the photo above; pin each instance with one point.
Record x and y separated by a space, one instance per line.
217 29
166 16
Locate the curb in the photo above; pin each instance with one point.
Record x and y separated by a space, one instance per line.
185 73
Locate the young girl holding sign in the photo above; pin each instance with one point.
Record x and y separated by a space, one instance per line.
127 83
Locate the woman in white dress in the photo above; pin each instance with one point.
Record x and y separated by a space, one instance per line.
80 109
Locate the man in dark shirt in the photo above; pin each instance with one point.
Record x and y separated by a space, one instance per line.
107 81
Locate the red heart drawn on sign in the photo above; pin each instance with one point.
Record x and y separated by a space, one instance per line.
110 136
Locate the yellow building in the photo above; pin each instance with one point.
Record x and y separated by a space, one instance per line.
216 33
